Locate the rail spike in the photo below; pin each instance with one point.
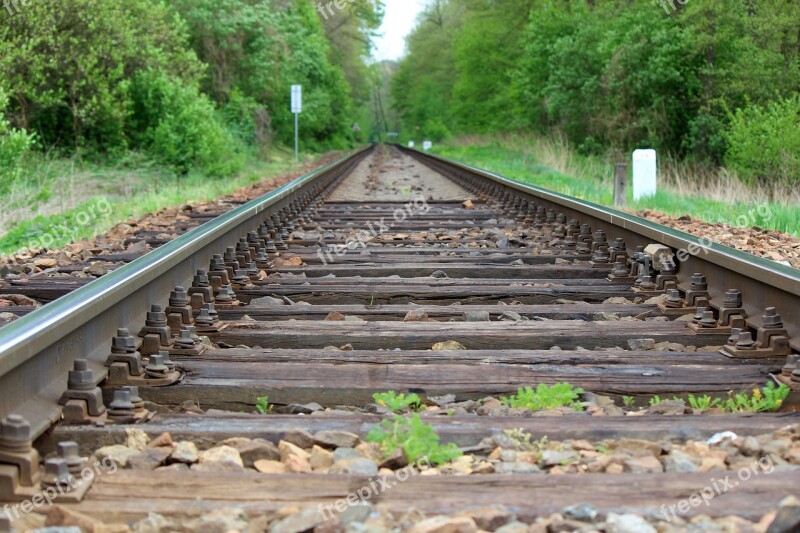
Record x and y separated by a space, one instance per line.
772 340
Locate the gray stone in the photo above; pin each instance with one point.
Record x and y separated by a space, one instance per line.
336 439
185 452
258 450
218 521
299 409
154 523
298 522
149 459
439 274
513 527
750 446
358 465
516 467
355 513
679 461
582 511
554 458
641 344
266 301
627 523
345 453
300 438
476 316
788 517
511 315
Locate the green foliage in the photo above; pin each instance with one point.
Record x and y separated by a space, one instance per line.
14 146
417 439
262 404
545 397
397 402
180 127
767 399
628 401
613 76
765 141
704 402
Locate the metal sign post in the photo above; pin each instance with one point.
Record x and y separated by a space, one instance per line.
297 108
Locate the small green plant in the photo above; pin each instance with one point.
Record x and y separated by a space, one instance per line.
770 398
628 401
522 440
397 402
602 449
262 404
655 400
416 438
704 402
545 397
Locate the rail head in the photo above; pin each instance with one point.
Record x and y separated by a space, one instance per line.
37 350
722 264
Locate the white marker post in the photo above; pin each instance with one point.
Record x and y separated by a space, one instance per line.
427 145
645 168
297 108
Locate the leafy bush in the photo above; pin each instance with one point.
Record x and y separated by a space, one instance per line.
435 130
764 142
180 127
545 397
397 402
14 146
417 439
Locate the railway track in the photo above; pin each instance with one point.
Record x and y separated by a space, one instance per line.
393 270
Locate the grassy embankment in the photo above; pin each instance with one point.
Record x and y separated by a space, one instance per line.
552 164
60 191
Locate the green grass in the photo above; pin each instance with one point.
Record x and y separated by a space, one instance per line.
761 400
590 178
132 186
545 397
397 402
417 439
262 404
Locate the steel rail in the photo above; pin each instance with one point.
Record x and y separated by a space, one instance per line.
763 283
38 350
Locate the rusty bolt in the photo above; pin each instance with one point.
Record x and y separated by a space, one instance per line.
121 405
155 367
620 269
734 338
136 400
170 364
746 341
68 451
708 320
212 311
185 341
56 472
15 434
156 317
124 342
178 297
699 282
791 364
733 299
674 298
204 319
647 283
81 377
771 319
698 314
201 279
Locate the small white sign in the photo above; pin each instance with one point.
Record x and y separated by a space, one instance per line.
411 144
645 170
297 98
427 145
